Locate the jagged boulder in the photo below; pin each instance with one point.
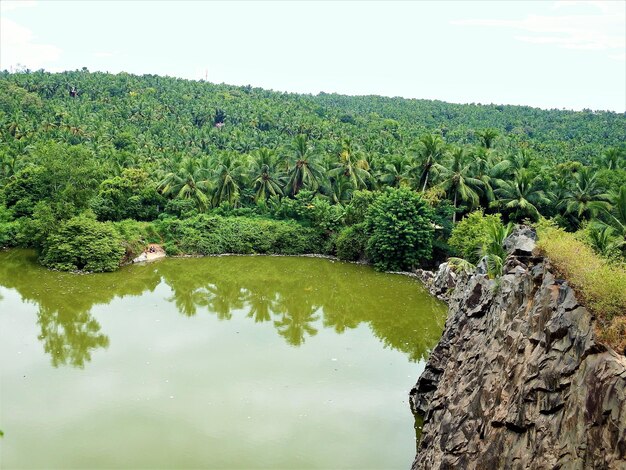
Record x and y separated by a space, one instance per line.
440 283
518 380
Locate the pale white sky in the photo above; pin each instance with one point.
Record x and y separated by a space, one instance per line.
567 54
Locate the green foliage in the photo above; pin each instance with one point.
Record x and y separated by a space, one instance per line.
129 196
472 233
8 229
210 235
35 230
135 236
401 228
308 208
601 283
83 244
358 207
181 208
148 147
493 247
352 242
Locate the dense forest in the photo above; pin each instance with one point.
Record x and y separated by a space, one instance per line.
94 166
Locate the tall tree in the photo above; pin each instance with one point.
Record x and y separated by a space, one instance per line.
457 180
303 170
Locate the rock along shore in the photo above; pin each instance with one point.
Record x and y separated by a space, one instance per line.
518 380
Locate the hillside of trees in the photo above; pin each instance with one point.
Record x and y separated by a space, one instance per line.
94 165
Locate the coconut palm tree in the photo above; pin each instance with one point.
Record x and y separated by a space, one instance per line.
430 150
617 214
487 137
520 196
303 170
352 165
265 175
189 181
395 172
227 171
339 190
605 239
457 180
614 158
586 198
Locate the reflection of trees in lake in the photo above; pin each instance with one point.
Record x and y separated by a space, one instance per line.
261 302
295 320
298 292
300 295
69 336
68 331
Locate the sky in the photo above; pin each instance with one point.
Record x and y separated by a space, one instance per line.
547 54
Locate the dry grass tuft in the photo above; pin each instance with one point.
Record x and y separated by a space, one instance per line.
601 285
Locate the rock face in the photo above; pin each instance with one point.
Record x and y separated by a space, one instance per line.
440 284
518 380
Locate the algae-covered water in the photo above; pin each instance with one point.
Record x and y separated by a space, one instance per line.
225 362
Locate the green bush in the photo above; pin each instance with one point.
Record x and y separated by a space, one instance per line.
83 244
9 234
352 242
135 236
472 233
8 228
358 207
401 230
129 196
207 235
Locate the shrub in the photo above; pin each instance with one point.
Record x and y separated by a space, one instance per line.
9 234
401 230
8 228
351 243
600 284
207 235
358 207
472 233
83 244
135 236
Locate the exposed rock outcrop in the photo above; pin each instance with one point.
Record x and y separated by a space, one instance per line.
518 380
441 283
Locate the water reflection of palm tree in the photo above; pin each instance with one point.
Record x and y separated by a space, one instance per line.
187 300
295 320
69 336
225 297
261 300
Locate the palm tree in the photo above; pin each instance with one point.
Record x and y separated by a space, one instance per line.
189 181
605 240
520 195
264 174
227 169
617 216
585 199
457 180
493 249
303 170
339 190
614 158
487 137
395 172
352 165
430 150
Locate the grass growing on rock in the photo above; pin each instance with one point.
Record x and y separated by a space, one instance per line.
600 283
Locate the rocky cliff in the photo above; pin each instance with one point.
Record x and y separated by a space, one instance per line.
518 380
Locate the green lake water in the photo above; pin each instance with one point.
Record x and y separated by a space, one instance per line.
223 362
